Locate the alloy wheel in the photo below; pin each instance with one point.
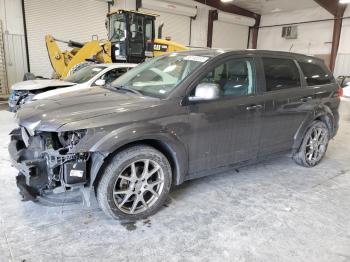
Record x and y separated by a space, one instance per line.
138 186
316 145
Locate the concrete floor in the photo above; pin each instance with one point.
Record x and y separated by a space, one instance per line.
3 105
274 211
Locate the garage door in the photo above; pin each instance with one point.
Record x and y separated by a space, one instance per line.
177 27
175 17
231 31
3 80
74 20
227 35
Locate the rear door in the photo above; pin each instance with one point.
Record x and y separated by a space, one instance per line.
287 104
320 81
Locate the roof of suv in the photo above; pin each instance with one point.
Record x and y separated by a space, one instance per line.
216 52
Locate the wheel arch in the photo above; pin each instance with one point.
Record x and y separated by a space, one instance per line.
325 115
175 155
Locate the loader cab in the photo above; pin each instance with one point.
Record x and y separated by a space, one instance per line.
131 35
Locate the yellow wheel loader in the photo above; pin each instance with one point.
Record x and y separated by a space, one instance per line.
131 39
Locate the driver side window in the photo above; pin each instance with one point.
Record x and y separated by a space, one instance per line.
234 77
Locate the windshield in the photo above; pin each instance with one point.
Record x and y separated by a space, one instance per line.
84 74
159 76
117 28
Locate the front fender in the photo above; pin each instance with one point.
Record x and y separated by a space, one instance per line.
130 134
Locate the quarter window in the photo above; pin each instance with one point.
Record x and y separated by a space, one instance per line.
234 78
314 74
280 74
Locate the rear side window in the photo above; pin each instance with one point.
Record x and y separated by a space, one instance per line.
315 74
280 74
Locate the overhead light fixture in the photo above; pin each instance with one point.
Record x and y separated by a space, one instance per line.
226 1
344 1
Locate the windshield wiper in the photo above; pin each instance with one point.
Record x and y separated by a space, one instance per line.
124 88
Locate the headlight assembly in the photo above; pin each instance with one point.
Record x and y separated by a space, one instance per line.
71 138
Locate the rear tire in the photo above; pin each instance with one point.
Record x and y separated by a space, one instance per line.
314 145
135 183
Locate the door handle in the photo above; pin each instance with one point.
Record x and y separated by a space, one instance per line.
305 99
254 107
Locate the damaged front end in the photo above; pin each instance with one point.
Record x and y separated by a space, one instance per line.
49 165
19 98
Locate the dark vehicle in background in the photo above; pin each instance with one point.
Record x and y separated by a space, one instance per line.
174 118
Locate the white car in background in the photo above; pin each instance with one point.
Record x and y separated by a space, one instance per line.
91 75
346 91
344 82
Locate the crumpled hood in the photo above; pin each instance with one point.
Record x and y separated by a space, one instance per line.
39 84
50 114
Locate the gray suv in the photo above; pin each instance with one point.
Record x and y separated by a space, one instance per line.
173 118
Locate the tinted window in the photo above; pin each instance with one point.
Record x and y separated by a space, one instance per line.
280 74
234 78
314 74
136 28
149 27
117 27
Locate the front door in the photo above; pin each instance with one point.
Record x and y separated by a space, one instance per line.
226 130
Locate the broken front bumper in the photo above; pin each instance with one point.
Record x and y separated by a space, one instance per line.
44 173
29 170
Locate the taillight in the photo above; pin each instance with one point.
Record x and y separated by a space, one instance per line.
340 91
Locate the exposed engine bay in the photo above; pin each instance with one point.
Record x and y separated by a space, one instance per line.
47 162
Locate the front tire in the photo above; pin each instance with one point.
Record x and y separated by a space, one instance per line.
135 183
314 145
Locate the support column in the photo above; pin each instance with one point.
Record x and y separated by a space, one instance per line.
213 15
255 32
338 22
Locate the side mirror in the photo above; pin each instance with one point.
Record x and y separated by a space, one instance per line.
100 82
206 91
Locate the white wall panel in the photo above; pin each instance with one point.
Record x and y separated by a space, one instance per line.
3 74
313 38
74 20
231 36
300 15
175 26
15 60
200 27
124 4
170 8
11 16
342 66
235 19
